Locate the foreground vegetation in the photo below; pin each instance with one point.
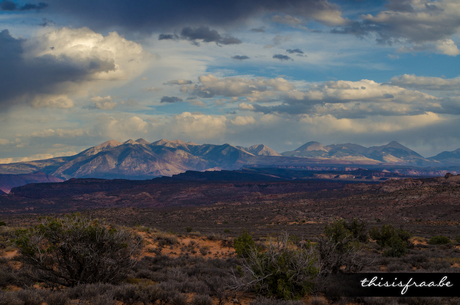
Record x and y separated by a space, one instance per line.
79 260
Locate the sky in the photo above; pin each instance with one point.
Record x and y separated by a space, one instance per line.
74 74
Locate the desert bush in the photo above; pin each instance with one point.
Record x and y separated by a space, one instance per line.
353 230
204 250
178 299
396 240
282 271
90 291
337 232
379 301
357 228
457 239
217 287
397 266
6 234
416 260
294 239
9 298
105 299
340 247
396 247
214 236
243 244
436 265
166 240
2 223
226 243
439 240
195 286
267 301
29 297
423 301
8 276
129 294
57 298
333 255
135 294
74 249
189 229
201 299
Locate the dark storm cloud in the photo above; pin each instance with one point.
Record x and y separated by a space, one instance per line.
11 6
171 99
22 78
240 57
258 30
297 52
386 33
281 57
294 51
359 29
154 15
358 111
167 36
46 22
201 34
407 20
399 6
205 34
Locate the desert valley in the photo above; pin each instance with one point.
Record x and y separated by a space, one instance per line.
192 203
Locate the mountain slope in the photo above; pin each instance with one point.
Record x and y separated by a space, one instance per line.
260 150
138 159
392 153
311 149
448 157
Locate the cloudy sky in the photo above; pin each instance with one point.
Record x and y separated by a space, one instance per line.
74 74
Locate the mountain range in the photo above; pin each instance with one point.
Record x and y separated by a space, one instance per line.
392 153
140 159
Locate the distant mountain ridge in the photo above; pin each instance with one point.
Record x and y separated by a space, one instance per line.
448 157
137 159
140 159
7 182
393 153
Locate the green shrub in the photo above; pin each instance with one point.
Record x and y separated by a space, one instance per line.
189 229
77 250
457 238
243 244
294 239
2 223
357 228
439 240
397 247
340 246
397 240
337 231
340 229
283 271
